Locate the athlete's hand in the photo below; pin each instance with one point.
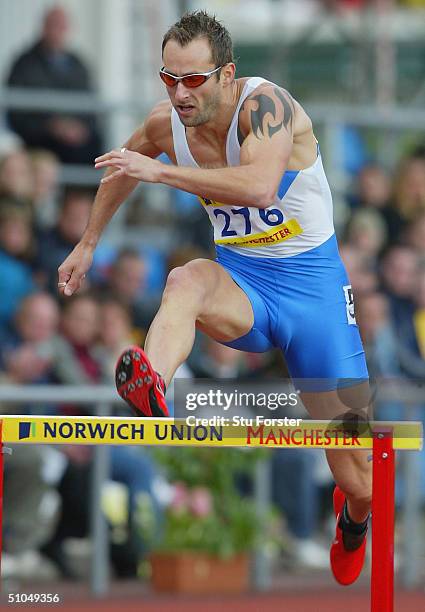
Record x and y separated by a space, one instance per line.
73 270
129 163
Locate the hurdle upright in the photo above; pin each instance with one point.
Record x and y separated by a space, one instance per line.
1 491
383 438
383 515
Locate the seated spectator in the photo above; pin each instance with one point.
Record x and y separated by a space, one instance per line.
404 281
45 169
408 199
378 334
398 274
366 231
115 334
75 362
26 352
126 282
55 245
48 64
16 279
411 333
373 188
16 180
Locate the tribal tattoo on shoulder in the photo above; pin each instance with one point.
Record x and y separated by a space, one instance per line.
265 118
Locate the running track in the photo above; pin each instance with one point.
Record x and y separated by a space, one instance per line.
321 601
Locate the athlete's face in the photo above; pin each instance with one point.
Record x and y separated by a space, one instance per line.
194 105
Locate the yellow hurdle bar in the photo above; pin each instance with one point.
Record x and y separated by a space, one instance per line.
254 432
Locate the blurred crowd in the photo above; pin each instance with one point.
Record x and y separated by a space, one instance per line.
45 340
383 247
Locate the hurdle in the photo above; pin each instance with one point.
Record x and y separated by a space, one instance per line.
383 438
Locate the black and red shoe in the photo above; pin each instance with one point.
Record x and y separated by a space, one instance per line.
139 385
346 564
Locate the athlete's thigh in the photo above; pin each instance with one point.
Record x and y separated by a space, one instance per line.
226 311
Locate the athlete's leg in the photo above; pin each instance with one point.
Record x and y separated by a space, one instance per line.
352 470
199 294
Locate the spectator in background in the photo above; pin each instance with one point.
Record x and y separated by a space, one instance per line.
373 188
45 171
408 199
366 232
16 180
378 334
115 334
15 256
58 242
398 273
75 362
48 64
126 282
404 281
411 333
26 352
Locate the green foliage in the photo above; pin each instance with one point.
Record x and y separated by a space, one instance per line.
227 524
220 533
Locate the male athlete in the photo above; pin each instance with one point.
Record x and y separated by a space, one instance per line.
247 149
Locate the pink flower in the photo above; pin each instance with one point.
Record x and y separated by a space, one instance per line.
200 502
180 499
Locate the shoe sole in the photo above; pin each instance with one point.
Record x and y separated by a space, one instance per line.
133 385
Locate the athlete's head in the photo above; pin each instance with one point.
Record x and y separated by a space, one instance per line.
198 43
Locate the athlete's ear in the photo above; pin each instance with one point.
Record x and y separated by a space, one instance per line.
228 73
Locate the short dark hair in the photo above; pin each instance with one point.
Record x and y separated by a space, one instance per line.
199 24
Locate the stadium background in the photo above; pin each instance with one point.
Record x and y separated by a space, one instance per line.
358 68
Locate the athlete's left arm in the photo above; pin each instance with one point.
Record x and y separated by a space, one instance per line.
266 129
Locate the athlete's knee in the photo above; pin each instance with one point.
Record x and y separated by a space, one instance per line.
358 490
353 474
188 282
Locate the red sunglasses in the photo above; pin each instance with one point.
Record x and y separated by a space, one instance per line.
189 80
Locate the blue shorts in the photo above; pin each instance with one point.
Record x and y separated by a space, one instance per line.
304 306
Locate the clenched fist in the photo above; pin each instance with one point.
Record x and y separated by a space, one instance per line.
74 268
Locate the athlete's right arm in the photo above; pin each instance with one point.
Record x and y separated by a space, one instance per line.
109 198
